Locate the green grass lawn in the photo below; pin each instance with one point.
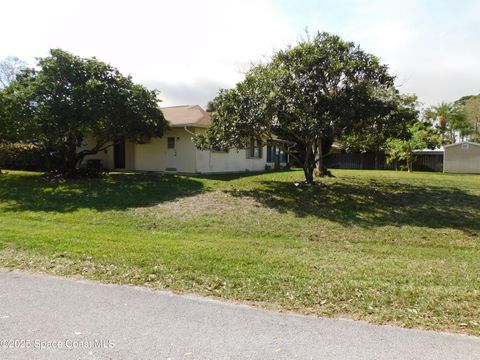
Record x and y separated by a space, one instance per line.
386 247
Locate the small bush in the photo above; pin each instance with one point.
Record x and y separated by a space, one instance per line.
22 157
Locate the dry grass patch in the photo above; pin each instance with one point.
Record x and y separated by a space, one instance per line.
205 204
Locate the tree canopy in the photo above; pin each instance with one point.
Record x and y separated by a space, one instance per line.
472 113
421 135
392 124
9 68
451 120
305 96
68 99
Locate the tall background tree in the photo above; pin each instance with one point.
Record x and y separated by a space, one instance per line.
472 113
306 95
9 68
420 135
68 99
451 120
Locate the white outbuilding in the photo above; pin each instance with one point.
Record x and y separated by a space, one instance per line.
462 158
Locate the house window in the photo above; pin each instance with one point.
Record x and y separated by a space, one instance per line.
255 150
171 142
275 154
270 154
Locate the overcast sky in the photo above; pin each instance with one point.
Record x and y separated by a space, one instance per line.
190 49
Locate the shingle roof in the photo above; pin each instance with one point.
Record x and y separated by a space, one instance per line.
186 115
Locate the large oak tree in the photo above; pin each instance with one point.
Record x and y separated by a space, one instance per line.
68 98
304 97
9 68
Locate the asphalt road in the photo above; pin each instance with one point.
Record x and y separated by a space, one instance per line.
47 317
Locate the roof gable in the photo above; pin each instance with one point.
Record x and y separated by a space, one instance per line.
186 115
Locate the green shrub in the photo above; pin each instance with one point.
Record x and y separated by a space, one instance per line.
22 157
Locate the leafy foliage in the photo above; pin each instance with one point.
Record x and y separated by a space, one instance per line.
22 157
387 124
451 120
472 113
69 98
421 136
306 96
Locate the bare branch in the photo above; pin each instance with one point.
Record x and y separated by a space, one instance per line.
9 68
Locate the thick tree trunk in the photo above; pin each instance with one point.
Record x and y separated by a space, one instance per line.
376 160
320 166
69 166
409 165
309 164
73 159
308 171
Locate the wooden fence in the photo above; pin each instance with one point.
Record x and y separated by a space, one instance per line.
429 161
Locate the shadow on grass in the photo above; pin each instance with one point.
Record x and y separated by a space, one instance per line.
240 175
356 202
374 204
112 192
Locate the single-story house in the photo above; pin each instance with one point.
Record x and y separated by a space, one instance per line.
462 158
175 152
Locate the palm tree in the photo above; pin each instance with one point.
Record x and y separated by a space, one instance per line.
450 119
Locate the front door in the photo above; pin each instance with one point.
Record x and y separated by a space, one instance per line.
171 163
119 154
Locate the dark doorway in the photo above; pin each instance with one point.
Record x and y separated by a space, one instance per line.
119 154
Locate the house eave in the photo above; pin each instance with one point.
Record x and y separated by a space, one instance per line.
463 142
190 125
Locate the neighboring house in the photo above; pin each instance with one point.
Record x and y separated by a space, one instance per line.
175 151
462 158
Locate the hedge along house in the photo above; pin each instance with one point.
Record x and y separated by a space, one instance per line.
175 151
462 158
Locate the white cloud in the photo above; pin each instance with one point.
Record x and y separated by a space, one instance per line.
429 53
432 46
158 42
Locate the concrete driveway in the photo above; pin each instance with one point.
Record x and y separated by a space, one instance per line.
47 317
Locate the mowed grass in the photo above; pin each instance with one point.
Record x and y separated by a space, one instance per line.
386 247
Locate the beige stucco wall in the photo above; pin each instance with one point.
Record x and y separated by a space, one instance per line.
233 161
459 160
185 158
130 149
106 156
155 156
